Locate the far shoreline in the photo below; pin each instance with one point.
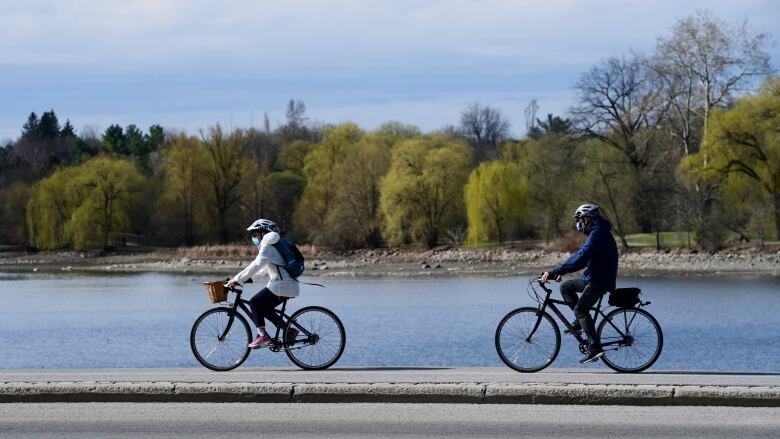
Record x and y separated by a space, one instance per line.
404 263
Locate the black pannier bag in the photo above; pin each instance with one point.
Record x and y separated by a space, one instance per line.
624 297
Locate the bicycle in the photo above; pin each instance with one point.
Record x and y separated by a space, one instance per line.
528 339
220 336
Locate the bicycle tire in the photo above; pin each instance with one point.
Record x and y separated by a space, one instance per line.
517 352
215 354
324 347
645 346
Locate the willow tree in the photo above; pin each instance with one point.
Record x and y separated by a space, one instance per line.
83 206
498 200
112 190
51 204
422 194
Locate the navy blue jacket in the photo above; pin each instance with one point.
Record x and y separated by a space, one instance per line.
598 256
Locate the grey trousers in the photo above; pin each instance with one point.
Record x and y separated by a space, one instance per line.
582 306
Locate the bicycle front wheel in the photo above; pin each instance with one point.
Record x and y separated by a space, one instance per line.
320 340
527 341
631 339
213 347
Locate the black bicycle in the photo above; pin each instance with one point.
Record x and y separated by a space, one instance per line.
220 336
528 339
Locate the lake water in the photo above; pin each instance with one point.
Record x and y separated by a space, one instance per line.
68 320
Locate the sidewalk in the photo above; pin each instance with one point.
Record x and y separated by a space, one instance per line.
391 385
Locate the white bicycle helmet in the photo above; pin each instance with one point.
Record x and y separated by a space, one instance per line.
587 211
263 225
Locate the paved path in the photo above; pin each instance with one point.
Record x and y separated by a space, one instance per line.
208 420
392 384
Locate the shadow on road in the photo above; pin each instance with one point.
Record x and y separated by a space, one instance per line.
386 368
695 372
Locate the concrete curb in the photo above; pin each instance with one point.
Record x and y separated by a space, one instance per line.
473 393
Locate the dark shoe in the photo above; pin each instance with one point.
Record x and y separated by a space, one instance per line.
592 356
292 334
576 328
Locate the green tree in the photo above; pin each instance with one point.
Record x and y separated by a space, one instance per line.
422 194
82 206
550 169
392 132
497 201
228 170
355 219
743 142
112 190
50 207
13 208
181 200
320 191
31 129
292 156
608 179
114 140
276 196
49 127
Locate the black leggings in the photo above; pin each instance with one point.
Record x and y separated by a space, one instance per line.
262 306
582 306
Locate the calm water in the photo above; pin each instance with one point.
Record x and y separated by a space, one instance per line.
81 321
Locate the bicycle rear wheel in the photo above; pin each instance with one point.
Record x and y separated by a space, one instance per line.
519 348
215 353
320 340
631 338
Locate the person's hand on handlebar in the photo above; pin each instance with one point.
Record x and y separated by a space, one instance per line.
231 283
546 276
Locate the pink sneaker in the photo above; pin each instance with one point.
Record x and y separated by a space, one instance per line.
261 341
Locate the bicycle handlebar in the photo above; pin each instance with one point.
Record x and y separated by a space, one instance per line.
543 285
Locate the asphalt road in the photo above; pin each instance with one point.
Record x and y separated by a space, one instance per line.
187 420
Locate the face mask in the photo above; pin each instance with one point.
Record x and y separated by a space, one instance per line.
256 241
580 227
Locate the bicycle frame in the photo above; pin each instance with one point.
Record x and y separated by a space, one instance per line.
242 304
549 302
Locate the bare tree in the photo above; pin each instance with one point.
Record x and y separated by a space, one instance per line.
485 128
703 64
619 103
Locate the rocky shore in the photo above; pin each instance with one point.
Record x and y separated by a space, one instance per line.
407 263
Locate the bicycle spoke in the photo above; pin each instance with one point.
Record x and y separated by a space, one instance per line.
643 340
517 350
214 353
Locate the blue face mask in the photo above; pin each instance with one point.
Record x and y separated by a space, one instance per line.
256 241
580 226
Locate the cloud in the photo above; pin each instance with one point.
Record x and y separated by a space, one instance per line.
170 58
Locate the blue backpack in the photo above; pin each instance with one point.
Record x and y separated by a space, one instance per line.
293 259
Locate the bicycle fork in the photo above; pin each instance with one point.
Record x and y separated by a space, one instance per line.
229 323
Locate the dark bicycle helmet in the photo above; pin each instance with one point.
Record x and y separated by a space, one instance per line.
587 211
264 226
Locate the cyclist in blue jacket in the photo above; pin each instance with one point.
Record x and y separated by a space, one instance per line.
599 257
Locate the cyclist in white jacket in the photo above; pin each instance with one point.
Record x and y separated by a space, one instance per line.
264 234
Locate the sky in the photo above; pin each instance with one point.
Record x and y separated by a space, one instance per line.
189 64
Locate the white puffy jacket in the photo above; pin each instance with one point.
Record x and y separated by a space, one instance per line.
268 263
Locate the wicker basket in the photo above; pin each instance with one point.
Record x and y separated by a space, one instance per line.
216 290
